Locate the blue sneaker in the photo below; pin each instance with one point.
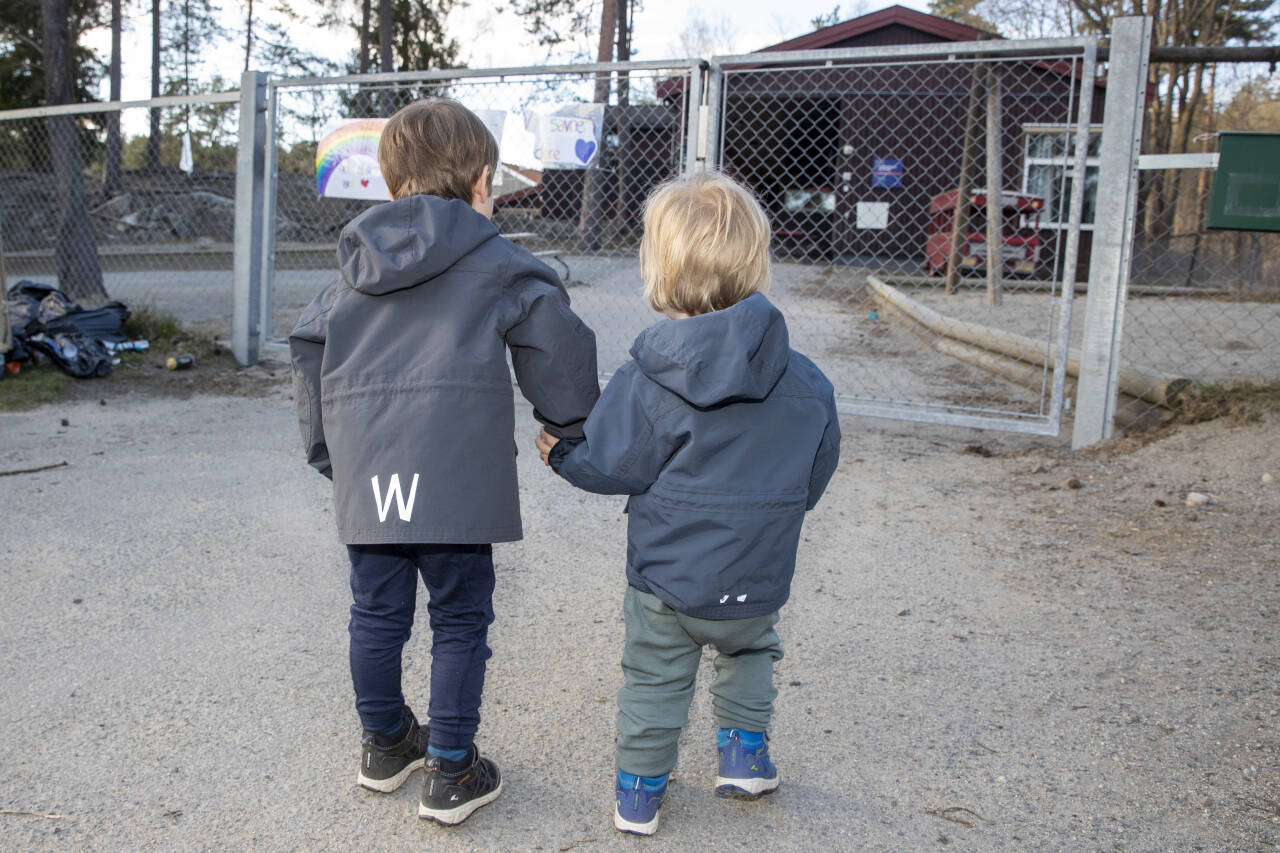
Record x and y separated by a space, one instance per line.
638 801
745 768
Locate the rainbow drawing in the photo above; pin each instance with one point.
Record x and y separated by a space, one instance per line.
347 160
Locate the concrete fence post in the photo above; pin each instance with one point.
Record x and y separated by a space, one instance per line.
246 307
1113 230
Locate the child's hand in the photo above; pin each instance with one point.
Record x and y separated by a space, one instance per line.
544 442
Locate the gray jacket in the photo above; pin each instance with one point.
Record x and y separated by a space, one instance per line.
723 437
400 373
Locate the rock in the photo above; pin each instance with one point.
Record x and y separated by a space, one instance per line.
1072 483
1267 478
1191 516
1195 499
1159 502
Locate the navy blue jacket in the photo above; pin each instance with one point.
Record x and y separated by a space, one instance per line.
723 436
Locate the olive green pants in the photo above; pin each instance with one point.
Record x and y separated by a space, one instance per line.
660 662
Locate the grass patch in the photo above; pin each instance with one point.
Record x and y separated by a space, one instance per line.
30 388
147 323
1239 401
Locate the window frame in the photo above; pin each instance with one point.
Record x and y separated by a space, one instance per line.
1066 162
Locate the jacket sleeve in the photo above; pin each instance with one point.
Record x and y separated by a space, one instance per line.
824 463
554 356
306 351
623 450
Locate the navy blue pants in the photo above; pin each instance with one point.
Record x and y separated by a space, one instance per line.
384 586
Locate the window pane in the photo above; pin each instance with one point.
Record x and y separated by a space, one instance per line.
1090 195
1043 181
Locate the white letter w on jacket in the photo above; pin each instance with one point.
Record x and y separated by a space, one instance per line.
393 489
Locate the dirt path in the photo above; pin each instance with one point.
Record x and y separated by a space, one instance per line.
979 657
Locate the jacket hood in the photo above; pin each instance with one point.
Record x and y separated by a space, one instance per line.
738 353
407 242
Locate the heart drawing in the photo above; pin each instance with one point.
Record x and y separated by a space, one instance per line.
364 182
584 148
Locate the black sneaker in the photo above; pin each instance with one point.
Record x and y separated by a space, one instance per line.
384 768
450 796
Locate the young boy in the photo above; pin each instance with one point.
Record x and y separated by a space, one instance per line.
723 437
405 402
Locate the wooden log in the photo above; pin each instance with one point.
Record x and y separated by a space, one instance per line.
960 216
1131 412
1031 376
995 194
1153 389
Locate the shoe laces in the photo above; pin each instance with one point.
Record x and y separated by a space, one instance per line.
484 772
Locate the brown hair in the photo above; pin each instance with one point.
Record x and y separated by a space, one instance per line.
705 245
436 146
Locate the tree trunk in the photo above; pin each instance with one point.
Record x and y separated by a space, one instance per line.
624 51
111 167
79 275
248 35
591 216
153 140
384 51
366 14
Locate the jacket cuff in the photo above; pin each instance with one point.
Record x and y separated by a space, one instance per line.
560 451
572 431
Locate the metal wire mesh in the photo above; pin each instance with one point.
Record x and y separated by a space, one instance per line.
877 177
1203 306
152 233
584 222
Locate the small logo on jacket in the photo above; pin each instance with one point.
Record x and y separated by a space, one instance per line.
725 598
403 507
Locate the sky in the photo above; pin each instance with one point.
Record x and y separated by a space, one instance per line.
498 40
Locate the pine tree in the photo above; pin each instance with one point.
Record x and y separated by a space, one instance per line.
79 274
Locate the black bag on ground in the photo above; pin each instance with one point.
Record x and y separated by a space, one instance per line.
42 319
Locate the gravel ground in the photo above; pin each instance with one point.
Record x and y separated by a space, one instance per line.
979 656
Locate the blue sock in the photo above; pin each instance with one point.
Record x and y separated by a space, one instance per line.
454 755
751 740
651 784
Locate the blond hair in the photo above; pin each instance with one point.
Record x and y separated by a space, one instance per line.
705 245
436 146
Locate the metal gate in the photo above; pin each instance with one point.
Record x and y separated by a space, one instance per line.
927 204
932 206
584 221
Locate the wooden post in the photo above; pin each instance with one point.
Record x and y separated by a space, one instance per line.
959 217
995 198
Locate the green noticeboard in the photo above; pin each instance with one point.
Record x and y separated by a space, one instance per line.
1246 185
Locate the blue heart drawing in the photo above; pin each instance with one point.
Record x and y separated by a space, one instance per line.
584 148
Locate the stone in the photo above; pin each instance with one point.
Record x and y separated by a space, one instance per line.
1195 499
1267 478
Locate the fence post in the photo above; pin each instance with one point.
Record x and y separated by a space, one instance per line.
246 307
714 111
695 115
1113 230
265 329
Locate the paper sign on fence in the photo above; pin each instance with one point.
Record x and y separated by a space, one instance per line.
568 137
347 156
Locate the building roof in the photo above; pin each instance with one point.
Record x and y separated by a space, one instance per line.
943 29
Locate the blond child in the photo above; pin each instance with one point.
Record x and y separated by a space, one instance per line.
723 436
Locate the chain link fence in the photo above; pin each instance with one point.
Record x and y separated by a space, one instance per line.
933 210
1203 305
922 215
124 215
583 218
